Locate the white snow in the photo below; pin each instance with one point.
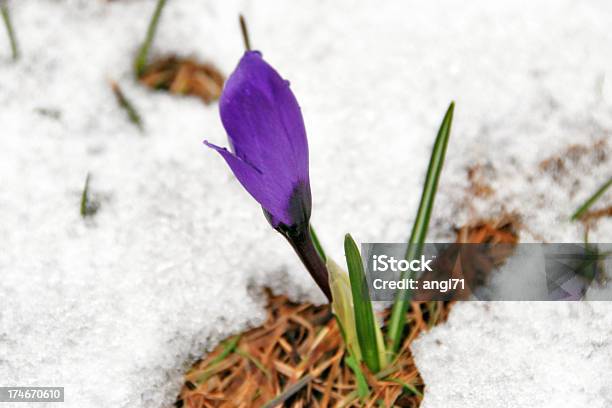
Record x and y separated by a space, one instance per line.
115 309
509 354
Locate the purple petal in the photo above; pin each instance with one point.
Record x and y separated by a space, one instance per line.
265 126
256 184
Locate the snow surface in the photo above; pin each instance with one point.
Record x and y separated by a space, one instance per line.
508 354
115 309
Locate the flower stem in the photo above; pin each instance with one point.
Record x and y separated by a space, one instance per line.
302 243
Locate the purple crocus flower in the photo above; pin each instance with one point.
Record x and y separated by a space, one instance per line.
269 153
269 150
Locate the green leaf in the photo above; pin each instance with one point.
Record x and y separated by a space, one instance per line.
421 225
6 16
89 206
364 315
342 306
589 203
228 348
362 385
143 54
84 197
126 105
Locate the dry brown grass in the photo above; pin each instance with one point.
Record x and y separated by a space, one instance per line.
303 341
184 76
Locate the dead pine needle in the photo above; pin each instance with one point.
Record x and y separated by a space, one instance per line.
126 105
595 214
6 17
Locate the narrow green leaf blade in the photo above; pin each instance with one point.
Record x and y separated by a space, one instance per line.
229 346
362 385
589 203
364 315
85 197
126 104
143 54
6 17
421 224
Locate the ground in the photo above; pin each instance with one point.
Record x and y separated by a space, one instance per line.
116 307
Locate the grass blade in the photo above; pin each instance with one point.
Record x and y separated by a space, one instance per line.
143 54
245 33
421 224
84 195
6 16
126 105
228 348
362 385
89 206
589 203
364 316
